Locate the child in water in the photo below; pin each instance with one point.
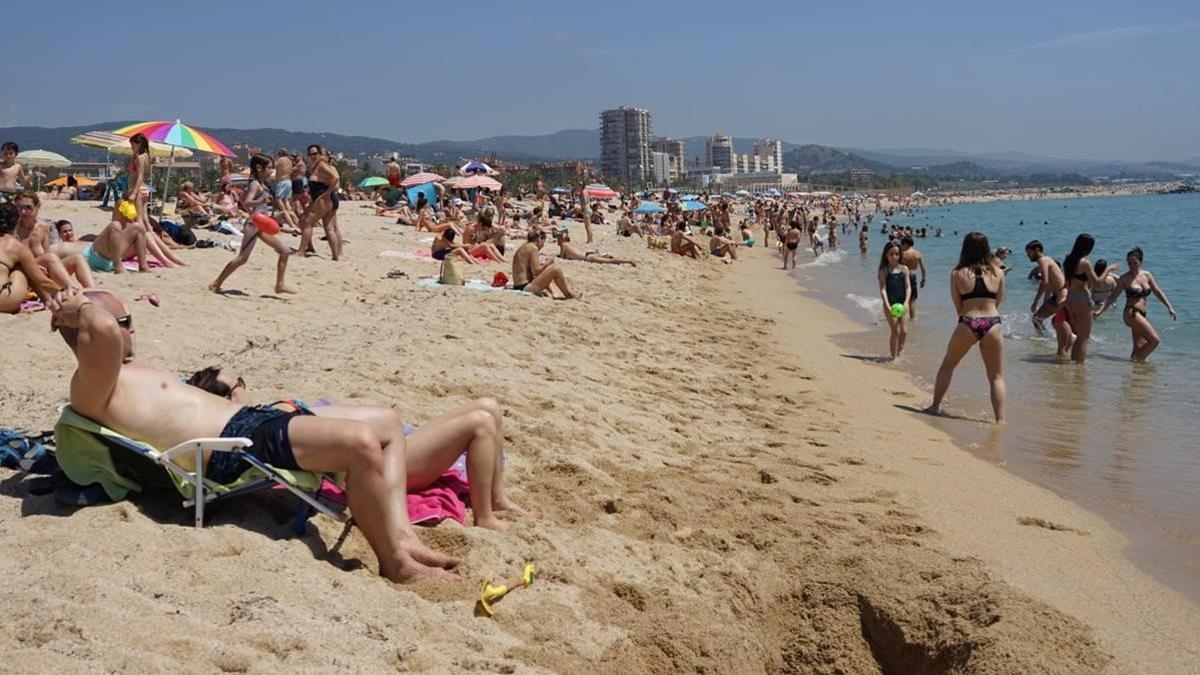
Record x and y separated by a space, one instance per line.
895 289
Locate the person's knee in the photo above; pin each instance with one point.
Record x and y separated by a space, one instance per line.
482 421
362 444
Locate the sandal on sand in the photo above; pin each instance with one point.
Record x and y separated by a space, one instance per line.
22 450
148 297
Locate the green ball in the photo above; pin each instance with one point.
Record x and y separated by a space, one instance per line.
898 309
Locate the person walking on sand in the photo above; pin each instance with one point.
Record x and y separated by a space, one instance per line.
977 289
323 188
791 242
895 288
913 260
1138 284
256 199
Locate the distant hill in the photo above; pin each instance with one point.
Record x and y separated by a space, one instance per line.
809 159
565 144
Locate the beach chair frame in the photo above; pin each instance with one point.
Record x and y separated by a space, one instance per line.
203 495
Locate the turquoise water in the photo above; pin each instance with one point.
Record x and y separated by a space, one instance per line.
1118 437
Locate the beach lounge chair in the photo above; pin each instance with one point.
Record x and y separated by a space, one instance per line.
89 453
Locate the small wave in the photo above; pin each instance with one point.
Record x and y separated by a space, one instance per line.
827 258
871 305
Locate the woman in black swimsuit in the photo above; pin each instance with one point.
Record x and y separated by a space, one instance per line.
322 188
1138 285
976 287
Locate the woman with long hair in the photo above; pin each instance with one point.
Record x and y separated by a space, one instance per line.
323 189
894 289
1081 276
138 193
257 198
977 288
1138 284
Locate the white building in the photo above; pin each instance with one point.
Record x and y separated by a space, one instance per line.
663 165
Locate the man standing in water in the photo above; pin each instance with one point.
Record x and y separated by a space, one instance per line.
1053 289
911 258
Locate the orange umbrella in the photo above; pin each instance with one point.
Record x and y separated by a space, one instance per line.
83 181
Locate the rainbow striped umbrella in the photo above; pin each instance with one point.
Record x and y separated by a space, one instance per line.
178 134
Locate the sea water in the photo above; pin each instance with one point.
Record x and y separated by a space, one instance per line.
1120 438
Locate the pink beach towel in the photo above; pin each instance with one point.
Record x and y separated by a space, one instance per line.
446 497
132 265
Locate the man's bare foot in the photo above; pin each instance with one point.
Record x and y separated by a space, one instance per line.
143 268
936 410
492 523
412 571
285 289
427 556
214 288
573 296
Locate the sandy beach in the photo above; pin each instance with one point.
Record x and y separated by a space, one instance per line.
721 489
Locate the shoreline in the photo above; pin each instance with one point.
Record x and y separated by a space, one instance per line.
1043 544
720 489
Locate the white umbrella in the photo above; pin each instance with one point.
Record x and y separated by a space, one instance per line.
43 158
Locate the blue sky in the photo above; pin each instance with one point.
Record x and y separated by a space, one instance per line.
1068 79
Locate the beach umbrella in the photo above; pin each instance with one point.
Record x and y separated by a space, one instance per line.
44 159
743 193
648 207
119 145
83 181
476 167
372 181
177 135
600 191
692 206
421 179
561 191
480 181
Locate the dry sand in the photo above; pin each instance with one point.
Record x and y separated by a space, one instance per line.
722 492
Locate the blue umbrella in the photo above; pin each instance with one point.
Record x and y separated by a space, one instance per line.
561 190
690 198
692 206
648 207
476 167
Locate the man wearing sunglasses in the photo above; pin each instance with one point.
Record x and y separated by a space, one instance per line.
150 404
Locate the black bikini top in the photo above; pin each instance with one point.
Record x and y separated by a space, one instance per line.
980 290
1133 293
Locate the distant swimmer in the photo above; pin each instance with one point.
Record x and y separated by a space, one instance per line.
1138 284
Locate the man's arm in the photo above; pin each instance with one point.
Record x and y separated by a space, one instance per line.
98 349
921 262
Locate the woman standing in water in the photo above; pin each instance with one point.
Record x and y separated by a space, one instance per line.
1138 285
976 287
895 289
1081 276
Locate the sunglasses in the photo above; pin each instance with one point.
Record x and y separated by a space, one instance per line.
238 383
125 322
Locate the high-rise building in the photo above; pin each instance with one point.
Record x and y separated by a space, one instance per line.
718 152
770 151
662 163
625 144
673 148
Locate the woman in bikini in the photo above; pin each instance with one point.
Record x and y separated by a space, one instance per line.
977 288
791 242
1081 276
18 267
137 193
257 198
323 189
1138 284
895 288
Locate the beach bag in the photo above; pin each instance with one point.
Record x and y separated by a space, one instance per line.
450 274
